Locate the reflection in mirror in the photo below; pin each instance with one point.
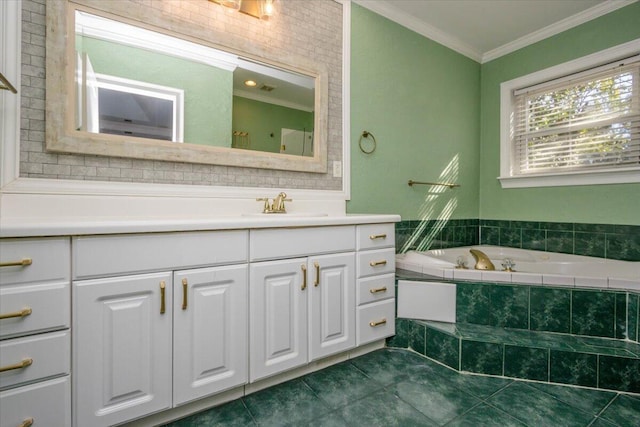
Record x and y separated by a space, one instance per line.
134 82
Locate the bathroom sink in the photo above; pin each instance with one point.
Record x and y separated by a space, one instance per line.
283 215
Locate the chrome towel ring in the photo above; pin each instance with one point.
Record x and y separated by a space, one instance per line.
366 135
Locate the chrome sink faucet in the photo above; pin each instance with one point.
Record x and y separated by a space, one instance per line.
276 206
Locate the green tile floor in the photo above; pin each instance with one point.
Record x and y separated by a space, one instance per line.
395 387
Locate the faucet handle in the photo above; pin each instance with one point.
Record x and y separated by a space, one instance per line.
267 207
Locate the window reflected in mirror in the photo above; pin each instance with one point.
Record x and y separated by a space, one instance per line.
134 82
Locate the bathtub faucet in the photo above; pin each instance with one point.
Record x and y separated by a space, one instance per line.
482 260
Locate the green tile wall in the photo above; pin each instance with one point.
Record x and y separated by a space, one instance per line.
589 312
436 234
599 240
611 241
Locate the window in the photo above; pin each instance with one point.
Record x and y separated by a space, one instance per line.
580 128
141 109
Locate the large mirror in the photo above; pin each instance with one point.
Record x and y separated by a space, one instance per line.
136 91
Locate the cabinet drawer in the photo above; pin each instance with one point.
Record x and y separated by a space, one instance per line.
275 243
48 403
99 256
49 306
376 288
376 321
50 260
49 355
381 261
373 236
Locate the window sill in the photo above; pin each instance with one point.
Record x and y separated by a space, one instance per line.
620 176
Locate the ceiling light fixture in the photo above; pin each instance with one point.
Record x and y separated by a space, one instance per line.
261 9
250 83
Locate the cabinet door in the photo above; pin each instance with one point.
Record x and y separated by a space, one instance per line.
121 348
210 331
332 304
277 316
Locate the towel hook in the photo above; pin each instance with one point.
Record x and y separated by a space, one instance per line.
366 135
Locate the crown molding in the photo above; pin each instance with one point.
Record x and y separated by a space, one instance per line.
556 28
387 10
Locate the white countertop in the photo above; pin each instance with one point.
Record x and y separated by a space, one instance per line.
75 226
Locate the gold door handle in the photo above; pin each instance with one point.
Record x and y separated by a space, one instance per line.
378 323
20 365
22 313
185 284
162 297
376 263
304 276
317 266
26 423
377 290
22 263
377 236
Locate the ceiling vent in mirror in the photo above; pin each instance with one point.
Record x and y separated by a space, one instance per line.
267 88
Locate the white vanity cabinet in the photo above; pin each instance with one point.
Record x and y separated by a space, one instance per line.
146 342
210 335
105 329
376 282
122 348
302 308
35 343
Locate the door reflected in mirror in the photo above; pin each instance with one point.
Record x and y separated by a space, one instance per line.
137 83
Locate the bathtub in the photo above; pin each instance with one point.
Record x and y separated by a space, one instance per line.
531 267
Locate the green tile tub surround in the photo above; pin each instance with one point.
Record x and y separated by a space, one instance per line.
593 313
526 362
577 311
611 241
633 316
444 348
621 317
473 303
481 357
435 234
550 309
510 306
619 373
569 367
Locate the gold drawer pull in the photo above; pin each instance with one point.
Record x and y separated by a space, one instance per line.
376 263
185 284
378 323
162 297
22 313
317 281
22 263
304 276
375 291
26 423
377 236
20 365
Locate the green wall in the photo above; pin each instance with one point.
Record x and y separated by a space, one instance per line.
421 101
601 204
205 122
265 121
429 107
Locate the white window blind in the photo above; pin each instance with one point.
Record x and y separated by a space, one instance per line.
587 121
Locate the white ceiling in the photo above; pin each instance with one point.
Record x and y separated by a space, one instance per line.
486 29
